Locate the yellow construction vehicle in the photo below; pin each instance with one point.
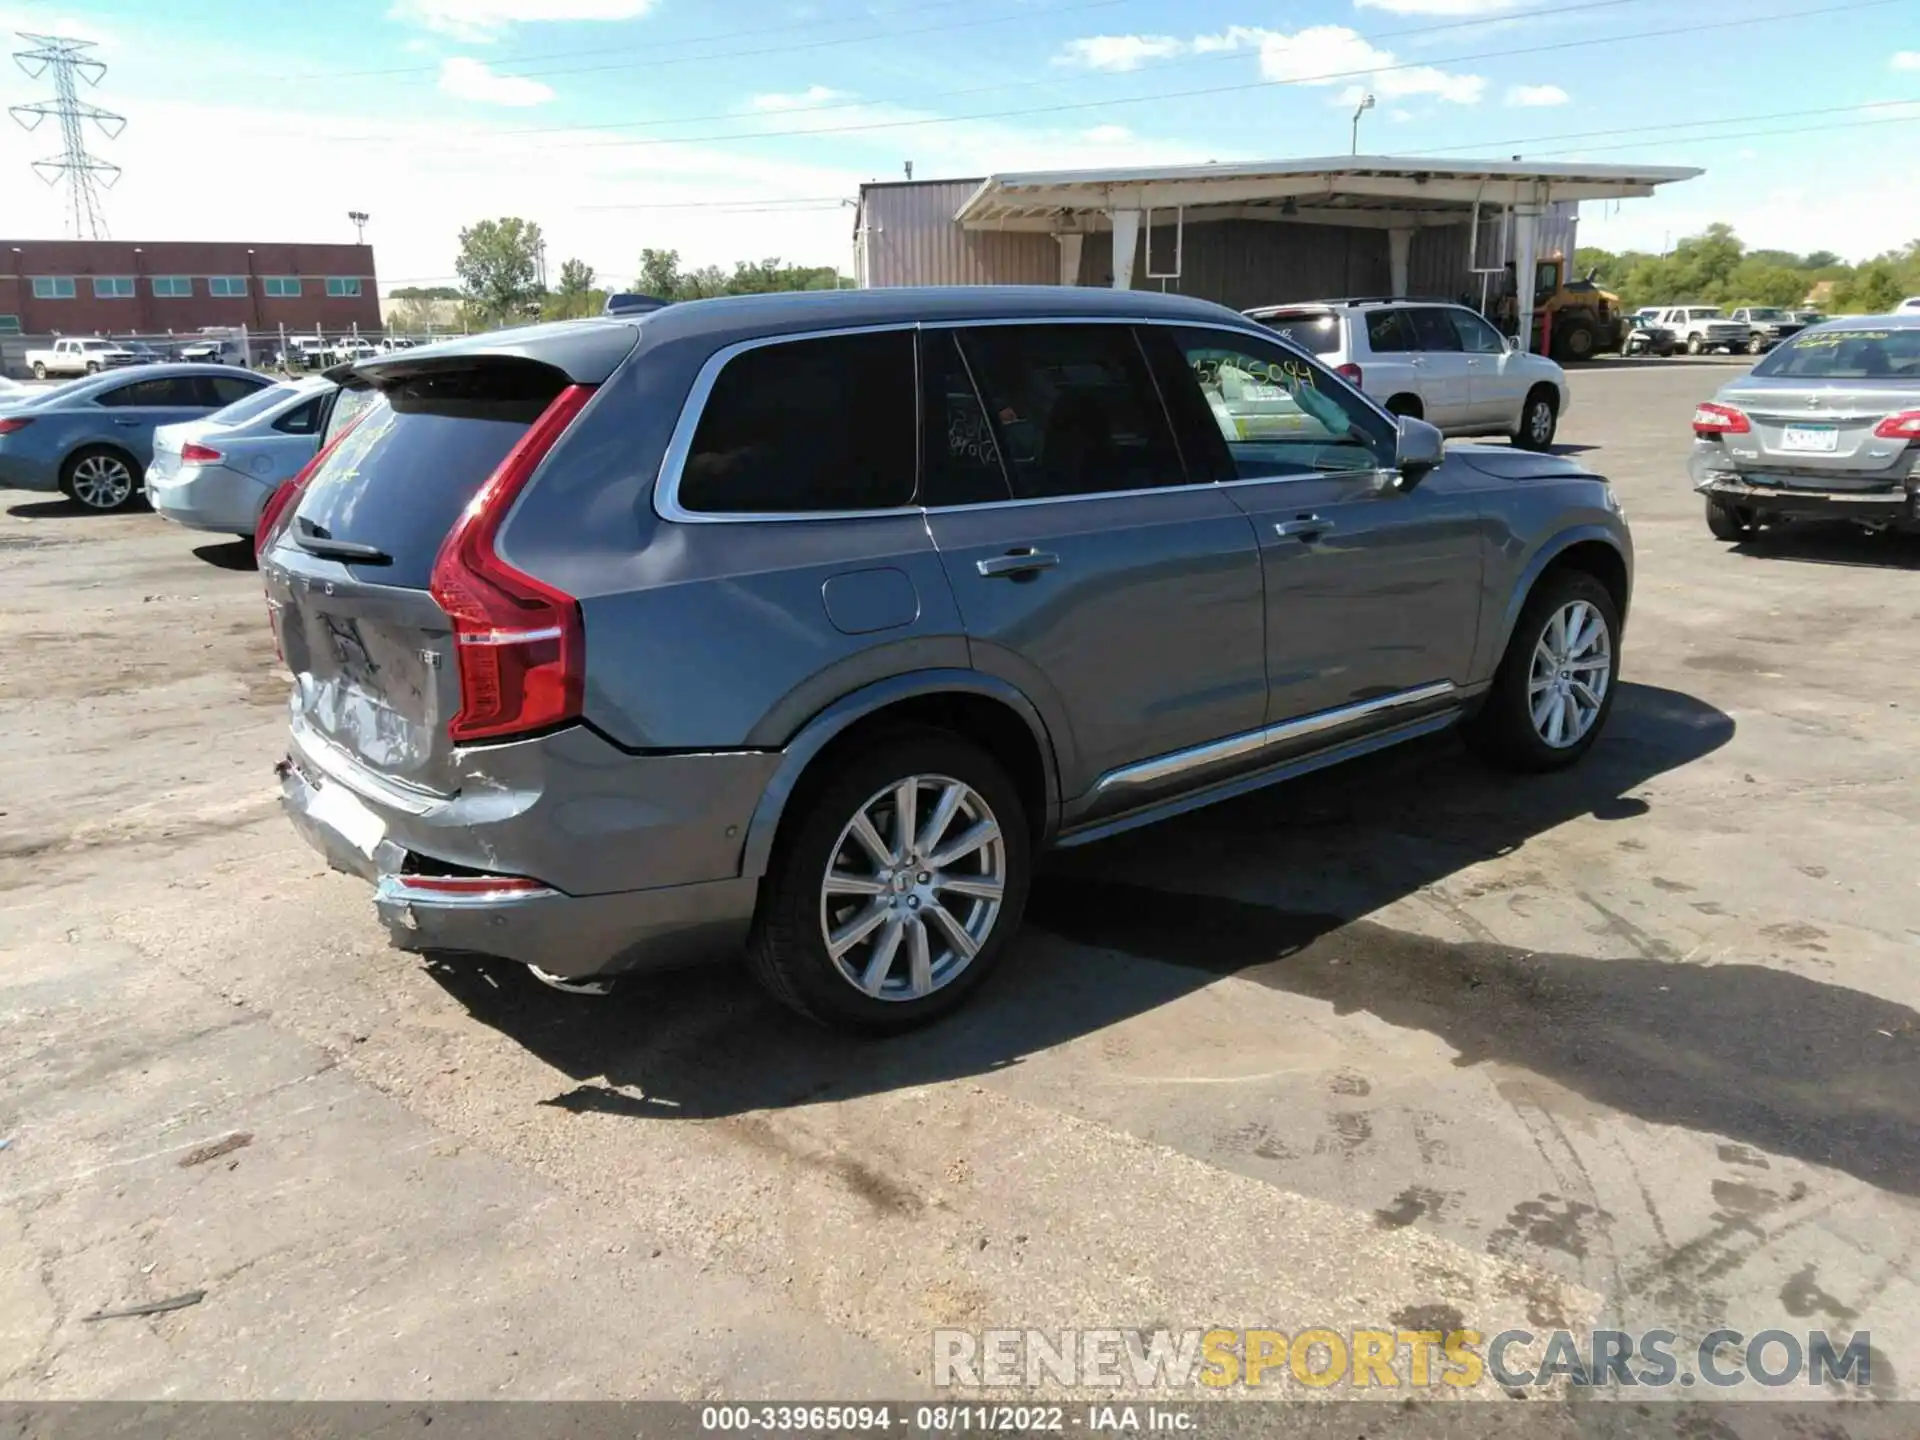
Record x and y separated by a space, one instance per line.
1572 319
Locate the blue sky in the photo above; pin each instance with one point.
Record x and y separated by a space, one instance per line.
738 129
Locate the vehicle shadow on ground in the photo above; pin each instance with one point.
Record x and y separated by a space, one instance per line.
46 509
1642 362
1782 1062
1816 543
233 555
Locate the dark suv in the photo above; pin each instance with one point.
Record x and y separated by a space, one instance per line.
798 623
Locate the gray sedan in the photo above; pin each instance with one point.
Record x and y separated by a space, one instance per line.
216 473
92 439
1827 426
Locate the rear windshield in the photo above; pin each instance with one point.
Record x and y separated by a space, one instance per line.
1869 353
1315 332
258 403
399 479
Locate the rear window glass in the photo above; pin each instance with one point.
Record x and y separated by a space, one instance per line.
1317 334
248 406
399 479
807 425
1868 353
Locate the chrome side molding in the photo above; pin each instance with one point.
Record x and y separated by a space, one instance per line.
1146 773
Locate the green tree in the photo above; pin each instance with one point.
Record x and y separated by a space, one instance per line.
1873 289
499 266
419 314
1819 260
424 292
659 274
1756 282
576 295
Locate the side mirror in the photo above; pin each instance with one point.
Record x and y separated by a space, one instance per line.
1513 343
1421 448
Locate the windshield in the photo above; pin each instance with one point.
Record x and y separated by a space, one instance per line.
257 403
1706 313
1846 354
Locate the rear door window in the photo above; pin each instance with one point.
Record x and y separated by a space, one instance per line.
398 480
807 426
182 391
301 419
1388 332
1074 409
1433 329
960 454
224 390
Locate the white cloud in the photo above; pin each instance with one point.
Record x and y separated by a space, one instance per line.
1119 52
1439 7
1329 54
1906 60
486 19
812 95
1537 95
1107 134
469 79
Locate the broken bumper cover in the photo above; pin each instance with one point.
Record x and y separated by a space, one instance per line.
1880 506
572 937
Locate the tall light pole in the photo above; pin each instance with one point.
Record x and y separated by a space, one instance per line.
359 219
1366 104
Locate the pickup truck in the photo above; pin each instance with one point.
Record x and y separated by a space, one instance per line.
303 352
1767 325
87 355
1702 327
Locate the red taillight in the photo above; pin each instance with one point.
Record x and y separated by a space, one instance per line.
1903 426
519 644
14 422
1349 373
196 454
1712 419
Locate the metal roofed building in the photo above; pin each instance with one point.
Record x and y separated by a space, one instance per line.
1242 234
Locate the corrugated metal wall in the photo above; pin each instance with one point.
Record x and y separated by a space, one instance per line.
911 239
1243 263
1437 264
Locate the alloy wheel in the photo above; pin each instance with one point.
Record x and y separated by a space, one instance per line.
1572 669
913 887
102 482
1540 422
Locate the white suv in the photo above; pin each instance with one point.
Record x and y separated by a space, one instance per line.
1439 362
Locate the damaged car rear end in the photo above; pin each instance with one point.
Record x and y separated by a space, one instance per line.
1826 427
438 745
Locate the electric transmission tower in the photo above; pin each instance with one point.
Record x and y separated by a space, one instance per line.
85 174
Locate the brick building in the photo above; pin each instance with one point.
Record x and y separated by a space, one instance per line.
87 287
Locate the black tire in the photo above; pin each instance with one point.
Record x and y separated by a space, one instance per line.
1502 731
1756 346
77 492
1695 346
1575 342
93 367
1729 522
1539 419
1408 405
39 371
787 950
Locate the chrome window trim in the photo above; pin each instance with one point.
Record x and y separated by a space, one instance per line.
666 487
1179 762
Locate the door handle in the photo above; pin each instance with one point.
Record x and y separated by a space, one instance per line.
1302 527
1416 360
1017 564
127 422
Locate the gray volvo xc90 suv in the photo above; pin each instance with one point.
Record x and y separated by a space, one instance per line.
798 623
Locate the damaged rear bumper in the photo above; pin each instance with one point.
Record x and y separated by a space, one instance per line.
1889 505
573 937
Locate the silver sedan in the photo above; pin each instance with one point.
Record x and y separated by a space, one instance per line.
1827 426
216 473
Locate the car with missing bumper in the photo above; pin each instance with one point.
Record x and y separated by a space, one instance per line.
795 625
1826 427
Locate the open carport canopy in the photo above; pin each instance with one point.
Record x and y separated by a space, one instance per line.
1347 190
